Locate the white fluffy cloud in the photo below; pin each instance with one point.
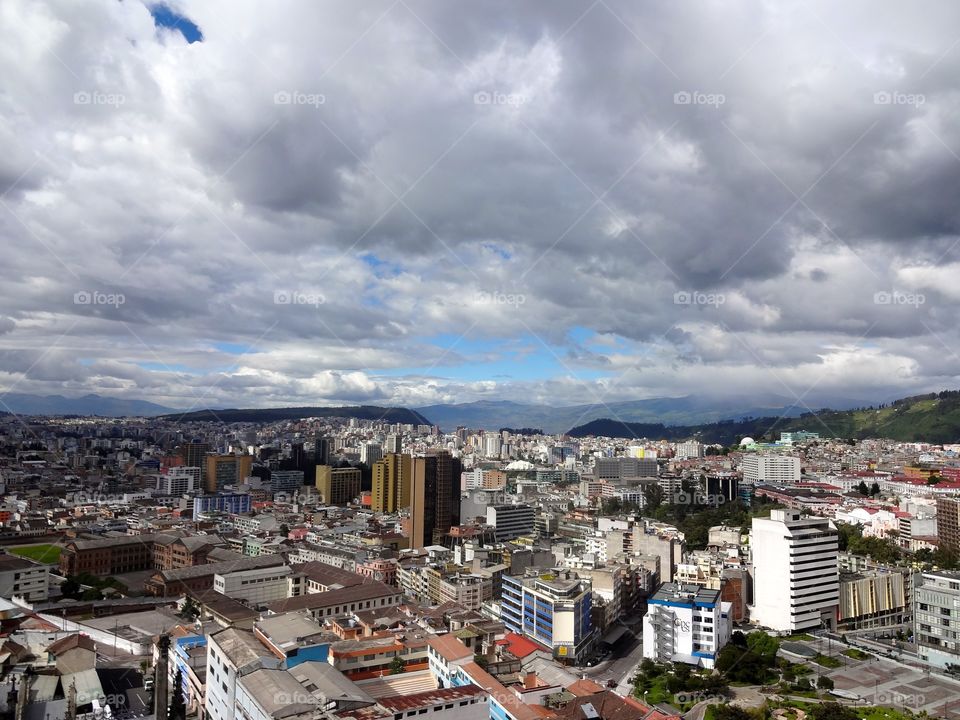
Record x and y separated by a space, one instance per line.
417 201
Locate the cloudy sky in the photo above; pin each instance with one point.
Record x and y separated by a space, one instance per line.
405 202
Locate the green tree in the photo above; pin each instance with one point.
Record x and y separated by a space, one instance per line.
652 497
190 610
730 712
70 588
832 711
825 683
397 665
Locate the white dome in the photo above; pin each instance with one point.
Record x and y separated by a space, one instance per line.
747 441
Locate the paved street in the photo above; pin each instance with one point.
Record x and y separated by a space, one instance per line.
621 667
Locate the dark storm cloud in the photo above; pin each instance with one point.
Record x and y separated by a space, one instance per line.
742 197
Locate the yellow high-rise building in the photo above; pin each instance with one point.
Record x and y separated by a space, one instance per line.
222 470
338 486
391 483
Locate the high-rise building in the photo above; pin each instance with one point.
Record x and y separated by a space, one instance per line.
338 486
777 469
434 497
392 477
492 445
322 450
286 481
298 457
394 443
796 576
510 521
551 608
194 455
948 522
371 452
936 599
423 500
691 449
179 480
223 470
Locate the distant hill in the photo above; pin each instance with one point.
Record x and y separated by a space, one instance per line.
688 410
267 415
27 404
930 418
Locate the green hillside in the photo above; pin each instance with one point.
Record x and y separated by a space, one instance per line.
928 418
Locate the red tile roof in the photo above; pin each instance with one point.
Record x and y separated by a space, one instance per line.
522 646
584 687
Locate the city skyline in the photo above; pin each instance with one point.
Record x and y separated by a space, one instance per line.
409 203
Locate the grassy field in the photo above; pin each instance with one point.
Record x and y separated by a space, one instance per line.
857 654
827 661
39 553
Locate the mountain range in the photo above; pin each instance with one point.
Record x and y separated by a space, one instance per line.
265 415
687 410
934 418
28 404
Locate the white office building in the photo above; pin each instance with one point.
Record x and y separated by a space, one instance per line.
776 469
510 521
179 481
795 573
232 653
492 445
255 587
936 612
22 578
685 623
689 450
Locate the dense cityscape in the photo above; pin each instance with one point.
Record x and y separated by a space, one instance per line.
346 568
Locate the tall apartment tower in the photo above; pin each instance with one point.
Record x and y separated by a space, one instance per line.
322 450
371 452
195 455
423 500
391 483
796 578
434 497
948 522
394 443
447 509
